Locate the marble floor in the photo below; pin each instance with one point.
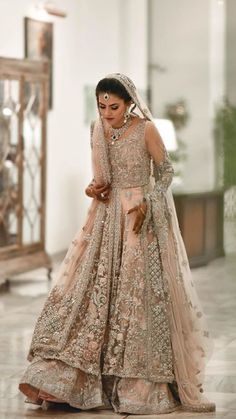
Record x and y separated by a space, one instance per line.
20 306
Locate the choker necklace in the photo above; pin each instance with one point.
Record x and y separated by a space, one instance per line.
116 133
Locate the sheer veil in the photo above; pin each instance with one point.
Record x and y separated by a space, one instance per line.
191 342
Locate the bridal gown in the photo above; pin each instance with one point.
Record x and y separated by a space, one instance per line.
103 337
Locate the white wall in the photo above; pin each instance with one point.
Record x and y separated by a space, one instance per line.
133 40
88 44
188 42
217 58
230 51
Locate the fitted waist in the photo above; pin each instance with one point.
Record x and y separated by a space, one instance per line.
126 185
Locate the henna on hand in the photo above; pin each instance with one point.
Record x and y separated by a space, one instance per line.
100 192
141 210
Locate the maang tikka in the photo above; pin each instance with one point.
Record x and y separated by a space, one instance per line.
106 96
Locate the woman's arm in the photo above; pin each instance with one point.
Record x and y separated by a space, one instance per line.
163 174
162 168
93 190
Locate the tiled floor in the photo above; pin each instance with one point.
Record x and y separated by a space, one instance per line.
19 308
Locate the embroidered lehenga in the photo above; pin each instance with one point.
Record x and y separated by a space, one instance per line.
122 327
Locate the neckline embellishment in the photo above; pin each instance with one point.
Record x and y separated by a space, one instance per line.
116 133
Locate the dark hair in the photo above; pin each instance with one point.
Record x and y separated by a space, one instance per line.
114 87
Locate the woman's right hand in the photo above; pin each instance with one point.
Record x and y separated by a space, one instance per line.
99 192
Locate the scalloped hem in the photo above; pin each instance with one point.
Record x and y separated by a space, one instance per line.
204 407
49 381
53 381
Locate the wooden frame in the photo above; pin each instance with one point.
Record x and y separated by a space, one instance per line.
20 257
201 222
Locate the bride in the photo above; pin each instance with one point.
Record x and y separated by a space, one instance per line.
122 327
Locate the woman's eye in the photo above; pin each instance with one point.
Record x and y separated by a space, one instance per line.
101 107
114 108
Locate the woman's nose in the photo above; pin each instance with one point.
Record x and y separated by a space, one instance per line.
107 112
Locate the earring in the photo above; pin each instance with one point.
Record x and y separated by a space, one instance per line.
126 116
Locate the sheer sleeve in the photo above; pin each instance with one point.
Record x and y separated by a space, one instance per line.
156 199
162 168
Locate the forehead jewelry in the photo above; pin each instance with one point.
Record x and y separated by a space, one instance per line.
106 96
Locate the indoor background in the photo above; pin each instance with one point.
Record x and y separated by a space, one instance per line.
181 56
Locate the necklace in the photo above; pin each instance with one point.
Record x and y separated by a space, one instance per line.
116 133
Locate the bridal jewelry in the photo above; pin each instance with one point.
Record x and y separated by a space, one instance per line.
141 210
106 96
126 116
116 133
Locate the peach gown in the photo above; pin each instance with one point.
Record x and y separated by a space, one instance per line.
107 333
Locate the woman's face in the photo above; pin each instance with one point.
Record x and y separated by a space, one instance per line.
112 109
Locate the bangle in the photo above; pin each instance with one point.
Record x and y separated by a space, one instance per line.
142 211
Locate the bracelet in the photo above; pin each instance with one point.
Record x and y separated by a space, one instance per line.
140 208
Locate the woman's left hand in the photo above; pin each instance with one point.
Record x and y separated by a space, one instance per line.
141 210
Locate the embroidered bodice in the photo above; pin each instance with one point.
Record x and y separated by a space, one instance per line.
130 160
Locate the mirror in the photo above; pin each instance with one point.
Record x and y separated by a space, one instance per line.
32 158
9 162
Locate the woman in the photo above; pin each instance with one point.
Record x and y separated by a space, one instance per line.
122 327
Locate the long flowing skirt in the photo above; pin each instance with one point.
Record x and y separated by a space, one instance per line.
104 339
